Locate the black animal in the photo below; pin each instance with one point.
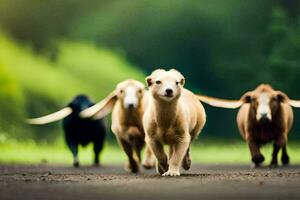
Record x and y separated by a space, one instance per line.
78 131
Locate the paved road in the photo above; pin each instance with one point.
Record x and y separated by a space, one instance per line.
112 182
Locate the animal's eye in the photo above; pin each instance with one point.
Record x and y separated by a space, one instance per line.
158 82
121 91
140 91
177 82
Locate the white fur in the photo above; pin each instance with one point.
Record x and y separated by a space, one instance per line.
131 97
263 107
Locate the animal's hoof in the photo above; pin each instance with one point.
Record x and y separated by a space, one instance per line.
171 173
186 163
255 166
285 160
258 159
162 168
148 163
133 168
273 165
97 165
135 171
76 164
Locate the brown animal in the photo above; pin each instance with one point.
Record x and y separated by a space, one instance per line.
174 117
265 115
127 103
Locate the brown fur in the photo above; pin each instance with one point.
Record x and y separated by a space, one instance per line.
127 123
128 127
258 132
174 121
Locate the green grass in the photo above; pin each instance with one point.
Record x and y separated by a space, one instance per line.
29 152
235 152
205 151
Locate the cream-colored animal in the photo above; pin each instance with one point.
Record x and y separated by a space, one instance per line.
127 103
174 117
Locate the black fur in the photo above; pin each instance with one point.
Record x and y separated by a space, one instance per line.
80 131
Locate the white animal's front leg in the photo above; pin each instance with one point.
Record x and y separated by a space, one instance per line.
149 161
179 150
161 157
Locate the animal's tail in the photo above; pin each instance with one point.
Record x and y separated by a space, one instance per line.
221 103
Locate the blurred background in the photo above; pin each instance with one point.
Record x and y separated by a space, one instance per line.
51 50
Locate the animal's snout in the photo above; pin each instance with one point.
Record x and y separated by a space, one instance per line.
131 99
264 115
264 110
131 106
169 92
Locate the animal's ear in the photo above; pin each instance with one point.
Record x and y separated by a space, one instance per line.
246 98
51 117
107 108
282 97
182 81
181 77
149 81
102 108
154 74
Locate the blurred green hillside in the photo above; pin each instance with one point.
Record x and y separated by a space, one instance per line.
224 48
32 85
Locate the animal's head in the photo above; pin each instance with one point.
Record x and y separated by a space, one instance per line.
264 102
80 103
130 94
165 85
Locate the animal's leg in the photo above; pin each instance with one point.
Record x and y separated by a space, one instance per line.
175 161
171 151
279 143
133 164
98 146
274 162
158 150
138 146
285 157
257 157
186 162
149 161
74 149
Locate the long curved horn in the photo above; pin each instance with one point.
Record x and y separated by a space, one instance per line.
294 103
100 109
51 117
221 103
